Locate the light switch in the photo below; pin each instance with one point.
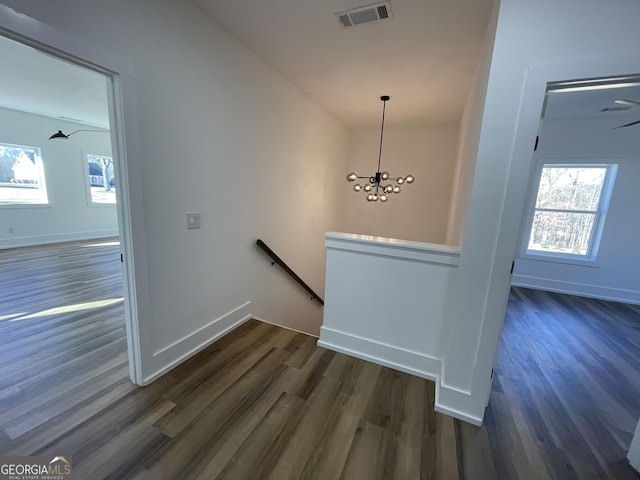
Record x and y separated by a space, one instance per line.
193 220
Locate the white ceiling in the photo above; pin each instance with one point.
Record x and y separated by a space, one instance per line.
591 103
424 57
35 82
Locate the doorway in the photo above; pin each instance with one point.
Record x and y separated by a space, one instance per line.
116 72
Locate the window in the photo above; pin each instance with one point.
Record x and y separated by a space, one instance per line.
21 176
568 215
101 179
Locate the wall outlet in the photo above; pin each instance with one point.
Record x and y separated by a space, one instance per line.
193 220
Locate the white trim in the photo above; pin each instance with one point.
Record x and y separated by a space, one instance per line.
454 401
30 241
403 360
556 258
579 289
177 352
452 412
391 247
284 326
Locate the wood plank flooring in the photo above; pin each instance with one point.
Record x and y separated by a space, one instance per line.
262 402
566 392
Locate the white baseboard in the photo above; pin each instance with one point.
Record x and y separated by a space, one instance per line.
16 242
177 352
414 363
579 289
284 326
458 414
451 401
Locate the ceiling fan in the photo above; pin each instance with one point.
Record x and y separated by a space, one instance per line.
624 104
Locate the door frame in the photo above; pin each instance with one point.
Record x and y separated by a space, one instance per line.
123 119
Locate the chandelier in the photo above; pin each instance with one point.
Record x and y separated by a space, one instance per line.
374 188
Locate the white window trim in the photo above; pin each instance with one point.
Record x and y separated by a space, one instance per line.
42 180
87 185
590 259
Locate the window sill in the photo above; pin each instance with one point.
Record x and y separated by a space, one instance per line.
25 205
541 257
101 205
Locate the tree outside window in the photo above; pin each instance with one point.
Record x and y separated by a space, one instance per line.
570 206
101 179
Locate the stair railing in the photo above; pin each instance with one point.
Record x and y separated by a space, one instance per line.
276 259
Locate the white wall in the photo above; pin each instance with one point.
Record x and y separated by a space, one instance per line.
560 41
220 133
69 215
420 212
469 136
614 275
387 301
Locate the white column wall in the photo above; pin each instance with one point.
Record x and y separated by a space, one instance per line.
536 42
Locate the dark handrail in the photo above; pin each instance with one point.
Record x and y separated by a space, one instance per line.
285 267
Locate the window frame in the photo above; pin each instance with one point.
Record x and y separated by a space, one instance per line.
42 180
600 214
87 180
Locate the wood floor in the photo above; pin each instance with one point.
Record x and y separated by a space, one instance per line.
566 392
263 402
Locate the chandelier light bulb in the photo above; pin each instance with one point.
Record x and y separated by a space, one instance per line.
367 188
370 197
409 179
383 198
357 187
399 180
374 197
385 176
396 189
388 188
352 177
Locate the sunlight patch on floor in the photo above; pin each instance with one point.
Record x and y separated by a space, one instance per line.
13 315
78 307
103 244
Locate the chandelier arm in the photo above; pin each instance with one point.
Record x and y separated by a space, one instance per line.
84 130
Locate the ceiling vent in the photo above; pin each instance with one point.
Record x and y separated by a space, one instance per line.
366 14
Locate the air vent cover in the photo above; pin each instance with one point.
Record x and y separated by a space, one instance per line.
365 14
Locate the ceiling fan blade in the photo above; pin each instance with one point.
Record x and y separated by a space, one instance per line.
627 125
629 103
